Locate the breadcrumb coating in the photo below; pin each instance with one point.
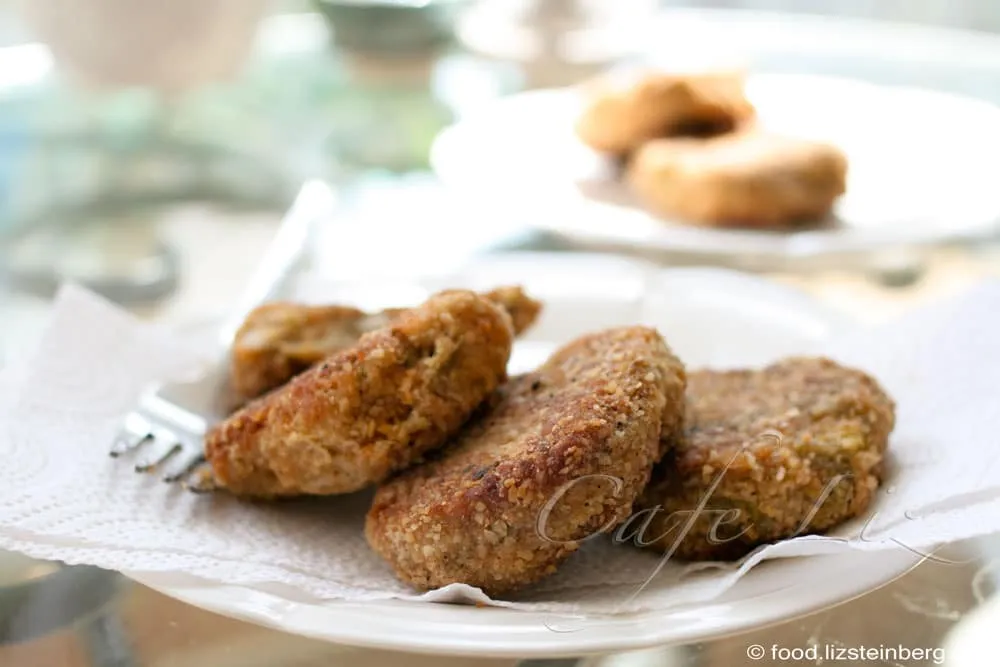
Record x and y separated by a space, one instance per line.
559 455
745 179
371 409
626 109
795 448
279 340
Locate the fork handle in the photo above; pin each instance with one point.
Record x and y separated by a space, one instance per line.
314 201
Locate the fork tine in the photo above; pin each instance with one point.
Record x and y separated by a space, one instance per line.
200 479
181 468
135 431
159 455
126 442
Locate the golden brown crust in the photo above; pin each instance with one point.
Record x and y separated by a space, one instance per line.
523 310
625 110
775 439
371 409
746 179
591 413
277 341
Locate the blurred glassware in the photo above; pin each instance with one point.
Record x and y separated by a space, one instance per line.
103 129
401 80
170 47
40 597
92 139
390 116
558 42
390 27
90 175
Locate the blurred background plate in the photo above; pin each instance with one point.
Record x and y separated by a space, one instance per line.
913 179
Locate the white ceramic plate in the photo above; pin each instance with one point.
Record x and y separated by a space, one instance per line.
710 317
923 167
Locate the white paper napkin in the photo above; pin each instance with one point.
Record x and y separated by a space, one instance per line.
62 497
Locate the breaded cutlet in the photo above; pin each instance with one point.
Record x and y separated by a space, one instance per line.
560 455
370 409
794 448
279 340
750 178
623 110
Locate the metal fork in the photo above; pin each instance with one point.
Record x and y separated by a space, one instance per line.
167 427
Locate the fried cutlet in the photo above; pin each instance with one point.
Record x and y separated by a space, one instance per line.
745 179
623 110
559 456
523 310
370 409
277 341
794 448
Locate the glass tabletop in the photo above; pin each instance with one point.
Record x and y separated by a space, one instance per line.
376 148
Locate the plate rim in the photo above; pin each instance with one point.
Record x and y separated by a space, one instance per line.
897 563
804 245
